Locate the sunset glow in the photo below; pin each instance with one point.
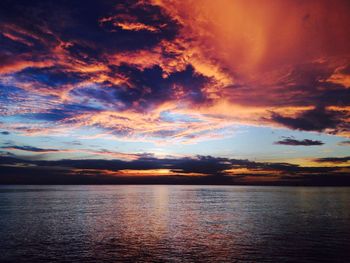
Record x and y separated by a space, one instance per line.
229 91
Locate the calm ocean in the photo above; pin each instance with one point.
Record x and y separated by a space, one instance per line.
128 223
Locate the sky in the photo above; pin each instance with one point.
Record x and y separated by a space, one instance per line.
219 92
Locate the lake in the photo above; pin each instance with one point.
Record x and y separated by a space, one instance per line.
163 223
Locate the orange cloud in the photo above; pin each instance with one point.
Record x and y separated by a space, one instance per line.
11 65
251 36
260 59
135 26
340 77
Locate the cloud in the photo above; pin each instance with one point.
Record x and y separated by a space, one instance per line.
344 143
148 169
266 78
262 42
333 159
293 142
92 153
120 67
29 149
317 119
171 72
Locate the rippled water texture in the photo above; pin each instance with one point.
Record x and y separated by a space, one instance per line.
174 224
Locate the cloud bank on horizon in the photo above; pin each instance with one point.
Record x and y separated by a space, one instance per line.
163 73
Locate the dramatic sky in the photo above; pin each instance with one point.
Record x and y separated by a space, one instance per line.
198 91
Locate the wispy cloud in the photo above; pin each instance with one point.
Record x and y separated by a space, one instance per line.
29 149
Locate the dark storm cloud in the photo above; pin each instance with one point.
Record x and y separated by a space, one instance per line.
147 88
317 119
150 87
212 170
294 142
207 165
336 95
202 164
333 159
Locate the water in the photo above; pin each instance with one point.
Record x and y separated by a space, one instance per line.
174 224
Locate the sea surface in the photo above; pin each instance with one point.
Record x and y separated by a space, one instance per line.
165 223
